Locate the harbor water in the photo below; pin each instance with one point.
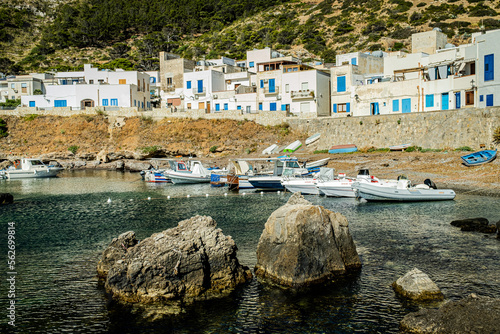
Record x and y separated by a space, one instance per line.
62 225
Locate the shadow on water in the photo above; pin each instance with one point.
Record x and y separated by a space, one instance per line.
64 224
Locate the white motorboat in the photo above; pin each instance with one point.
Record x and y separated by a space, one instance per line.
341 186
26 168
181 173
402 190
155 176
307 185
283 166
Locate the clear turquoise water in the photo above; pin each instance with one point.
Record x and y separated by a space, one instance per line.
64 224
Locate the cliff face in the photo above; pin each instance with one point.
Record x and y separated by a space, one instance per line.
35 135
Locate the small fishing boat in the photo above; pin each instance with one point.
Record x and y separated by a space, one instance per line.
479 158
26 168
402 191
317 163
307 185
401 147
313 138
347 148
270 149
293 147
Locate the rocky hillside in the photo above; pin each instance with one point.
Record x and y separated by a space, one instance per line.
87 135
39 35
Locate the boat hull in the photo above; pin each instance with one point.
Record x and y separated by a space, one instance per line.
266 182
183 178
343 149
399 147
372 192
313 138
337 188
304 186
479 158
32 174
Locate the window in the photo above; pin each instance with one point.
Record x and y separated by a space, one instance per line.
169 81
305 86
342 107
13 86
114 102
238 108
305 107
429 100
341 84
248 109
272 87
251 64
395 105
32 103
353 61
105 102
481 98
489 100
91 82
374 108
135 103
200 86
287 88
261 83
188 84
469 98
284 107
226 106
272 106
152 80
189 105
217 107
60 103
24 88
260 105
489 67
120 81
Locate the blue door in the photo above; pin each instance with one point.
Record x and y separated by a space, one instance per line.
272 87
406 105
217 107
489 100
445 101
374 108
32 103
457 100
200 86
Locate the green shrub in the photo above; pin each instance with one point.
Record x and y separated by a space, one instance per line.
496 135
147 119
320 151
3 129
150 149
464 148
213 149
413 149
29 118
73 149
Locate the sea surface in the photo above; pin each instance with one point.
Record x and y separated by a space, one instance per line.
62 226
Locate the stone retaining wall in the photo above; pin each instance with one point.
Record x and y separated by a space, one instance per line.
451 129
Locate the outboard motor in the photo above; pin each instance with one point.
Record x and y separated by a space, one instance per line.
429 183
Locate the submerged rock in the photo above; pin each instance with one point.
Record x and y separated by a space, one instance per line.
304 244
473 314
6 198
194 260
417 285
475 224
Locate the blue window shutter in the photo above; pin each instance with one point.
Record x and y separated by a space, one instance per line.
238 107
348 107
489 100
429 100
105 102
395 105
283 107
188 84
341 84
261 83
481 98
272 88
200 86
489 67
353 61
335 107
260 105
457 100
251 64
377 110
225 106
60 103
272 106
217 107
114 102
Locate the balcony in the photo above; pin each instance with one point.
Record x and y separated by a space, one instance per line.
302 94
171 88
245 90
271 90
198 91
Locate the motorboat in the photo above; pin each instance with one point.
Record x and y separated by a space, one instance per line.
155 176
341 186
283 166
181 173
307 185
402 190
347 148
479 158
27 168
313 138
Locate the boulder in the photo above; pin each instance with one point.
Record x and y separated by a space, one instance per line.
6 198
304 244
473 314
418 286
192 261
498 229
136 166
475 224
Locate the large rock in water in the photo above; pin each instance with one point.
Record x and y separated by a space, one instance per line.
473 314
303 244
475 224
417 285
194 260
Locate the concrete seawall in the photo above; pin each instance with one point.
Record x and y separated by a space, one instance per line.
433 130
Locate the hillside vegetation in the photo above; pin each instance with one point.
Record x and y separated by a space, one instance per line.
130 33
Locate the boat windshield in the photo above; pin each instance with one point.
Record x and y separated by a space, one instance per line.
292 164
36 163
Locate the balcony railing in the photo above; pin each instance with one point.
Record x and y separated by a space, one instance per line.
245 90
271 90
198 91
170 88
302 94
